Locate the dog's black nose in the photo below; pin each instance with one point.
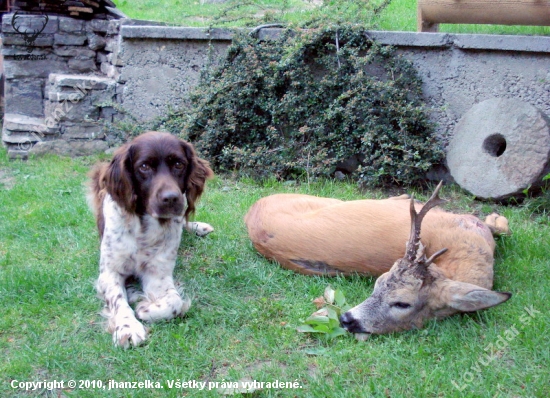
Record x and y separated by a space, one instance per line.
349 323
169 198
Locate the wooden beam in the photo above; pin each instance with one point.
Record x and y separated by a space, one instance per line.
498 12
81 9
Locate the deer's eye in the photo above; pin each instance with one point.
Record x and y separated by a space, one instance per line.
401 305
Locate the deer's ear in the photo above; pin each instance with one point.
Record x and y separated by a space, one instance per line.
465 297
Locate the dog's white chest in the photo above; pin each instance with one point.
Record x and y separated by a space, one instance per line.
136 244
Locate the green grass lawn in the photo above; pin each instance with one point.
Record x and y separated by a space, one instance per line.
399 15
246 309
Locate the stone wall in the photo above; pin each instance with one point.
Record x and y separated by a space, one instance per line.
62 87
147 69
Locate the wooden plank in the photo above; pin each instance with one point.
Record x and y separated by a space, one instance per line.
91 3
81 9
501 12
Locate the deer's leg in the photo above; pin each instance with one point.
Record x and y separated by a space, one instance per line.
497 224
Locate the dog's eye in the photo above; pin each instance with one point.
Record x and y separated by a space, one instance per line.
401 305
178 166
144 168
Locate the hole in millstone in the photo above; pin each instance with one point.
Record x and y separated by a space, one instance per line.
494 145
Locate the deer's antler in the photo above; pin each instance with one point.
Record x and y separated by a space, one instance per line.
415 251
29 37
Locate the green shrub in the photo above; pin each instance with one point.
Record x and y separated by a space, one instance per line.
310 103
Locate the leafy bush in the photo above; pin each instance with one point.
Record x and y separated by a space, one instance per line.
311 103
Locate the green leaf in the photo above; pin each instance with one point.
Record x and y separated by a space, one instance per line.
316 319
333 323
332 312
307 329
321 328
337 332
339 298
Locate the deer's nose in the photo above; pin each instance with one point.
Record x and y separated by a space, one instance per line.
348 322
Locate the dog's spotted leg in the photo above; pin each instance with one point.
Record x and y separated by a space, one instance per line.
123 325
162 300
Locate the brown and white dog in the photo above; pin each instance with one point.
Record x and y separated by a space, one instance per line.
142 200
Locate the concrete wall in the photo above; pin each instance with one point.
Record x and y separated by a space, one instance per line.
161 64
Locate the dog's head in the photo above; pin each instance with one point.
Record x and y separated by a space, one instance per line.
157 174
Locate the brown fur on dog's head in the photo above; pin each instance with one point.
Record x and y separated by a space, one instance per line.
150 175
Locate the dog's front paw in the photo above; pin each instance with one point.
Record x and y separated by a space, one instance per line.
129 333
199 228
167 307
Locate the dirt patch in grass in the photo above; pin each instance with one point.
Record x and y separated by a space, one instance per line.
7 181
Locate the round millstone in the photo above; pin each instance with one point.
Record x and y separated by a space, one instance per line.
500 148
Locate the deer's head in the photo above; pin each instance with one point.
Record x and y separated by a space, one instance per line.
414 290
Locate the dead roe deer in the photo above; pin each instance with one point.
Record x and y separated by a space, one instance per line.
322 236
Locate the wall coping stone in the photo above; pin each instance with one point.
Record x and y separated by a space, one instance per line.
539 44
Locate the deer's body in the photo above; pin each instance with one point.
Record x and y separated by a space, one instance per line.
314 235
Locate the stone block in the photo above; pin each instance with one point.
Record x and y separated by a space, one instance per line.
88 131
98 25
69 148
33 68
101 57
69 39
114 59
110 70
22 51
25 124
108 113
22 140
74 51
82 65
113 28
112 44
64 94
17 154
80 82
70 25
15 39
101 98
24 95
30 23
96 42
67 111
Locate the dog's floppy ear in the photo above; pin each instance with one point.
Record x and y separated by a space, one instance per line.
118 179
198 171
